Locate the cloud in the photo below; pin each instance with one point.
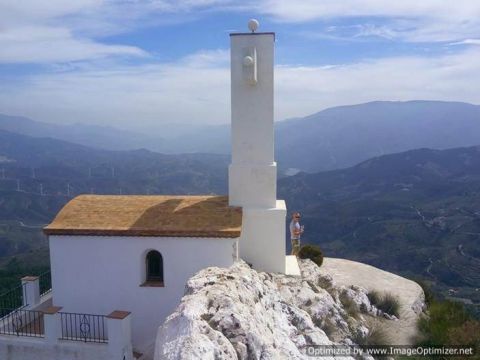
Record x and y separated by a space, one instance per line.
63 30
206 58
449 77
366 30
306 10
406 20
467 42
42 32
196 89
39 44
14 11
57 31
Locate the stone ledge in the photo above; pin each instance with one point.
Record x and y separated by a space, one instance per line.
118 314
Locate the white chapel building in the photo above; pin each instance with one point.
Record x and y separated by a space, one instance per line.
129 257
135 253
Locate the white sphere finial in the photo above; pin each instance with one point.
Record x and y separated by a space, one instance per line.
253 25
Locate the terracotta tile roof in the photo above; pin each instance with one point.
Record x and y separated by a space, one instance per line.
189 216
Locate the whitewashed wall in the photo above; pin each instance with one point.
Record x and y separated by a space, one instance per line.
99 274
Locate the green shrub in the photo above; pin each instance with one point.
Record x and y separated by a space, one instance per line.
466 334
390 305
447 322
386 302
443 317
312 252
374 297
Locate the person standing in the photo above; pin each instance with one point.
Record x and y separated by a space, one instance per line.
296 230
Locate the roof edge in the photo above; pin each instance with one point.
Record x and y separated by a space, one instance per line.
230 234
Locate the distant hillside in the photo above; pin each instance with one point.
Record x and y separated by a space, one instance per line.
416 213
39 175
172 139
78 161
331 139
94 136
344 136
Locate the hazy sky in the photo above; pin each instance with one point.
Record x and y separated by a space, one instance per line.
140 63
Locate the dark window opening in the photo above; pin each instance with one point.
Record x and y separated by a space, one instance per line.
154 262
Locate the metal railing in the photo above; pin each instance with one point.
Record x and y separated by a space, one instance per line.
21 322
83 327
45 282
13 298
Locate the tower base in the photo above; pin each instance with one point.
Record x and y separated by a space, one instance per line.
262 243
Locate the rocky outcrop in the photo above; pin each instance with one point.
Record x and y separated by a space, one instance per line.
239 313
409 294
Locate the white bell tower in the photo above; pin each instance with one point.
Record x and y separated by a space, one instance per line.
253 171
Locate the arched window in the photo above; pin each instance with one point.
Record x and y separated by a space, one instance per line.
154 262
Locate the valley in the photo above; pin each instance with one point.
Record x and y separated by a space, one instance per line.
414 213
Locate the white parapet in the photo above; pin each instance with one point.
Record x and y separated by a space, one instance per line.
53 344
31 290
120 335
52 324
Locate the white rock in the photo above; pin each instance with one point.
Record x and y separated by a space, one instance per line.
239 313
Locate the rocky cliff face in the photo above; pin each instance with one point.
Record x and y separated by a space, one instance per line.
239 313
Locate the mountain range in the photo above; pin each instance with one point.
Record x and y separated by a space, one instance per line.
415 212
344 136
169 139
331 139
